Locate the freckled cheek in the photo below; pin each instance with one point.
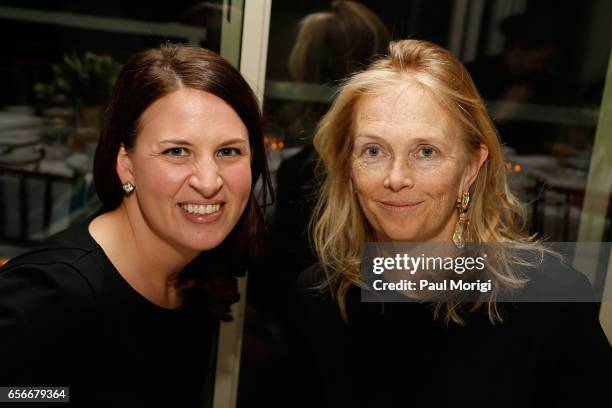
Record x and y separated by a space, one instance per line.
368 185
441 186
367 179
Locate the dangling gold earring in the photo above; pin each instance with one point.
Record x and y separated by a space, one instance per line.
461 227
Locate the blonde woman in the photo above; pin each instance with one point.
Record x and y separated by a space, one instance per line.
410 155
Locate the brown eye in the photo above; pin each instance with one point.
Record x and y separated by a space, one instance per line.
229 151
176 152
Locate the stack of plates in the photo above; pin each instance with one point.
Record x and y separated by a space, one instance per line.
19 131
15 120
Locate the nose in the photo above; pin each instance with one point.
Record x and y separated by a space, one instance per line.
399 176
206 178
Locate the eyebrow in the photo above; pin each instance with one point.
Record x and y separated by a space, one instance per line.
177 141
420 140
186 142
235 140
370 136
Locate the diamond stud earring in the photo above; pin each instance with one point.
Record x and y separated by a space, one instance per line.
128 187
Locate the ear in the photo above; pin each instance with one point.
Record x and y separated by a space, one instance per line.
125 170
474 167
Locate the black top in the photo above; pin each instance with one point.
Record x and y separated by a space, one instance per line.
68 318
542 355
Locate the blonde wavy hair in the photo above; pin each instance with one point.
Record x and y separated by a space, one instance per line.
339 227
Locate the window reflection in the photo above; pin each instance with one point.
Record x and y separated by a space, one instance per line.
541 68
58 65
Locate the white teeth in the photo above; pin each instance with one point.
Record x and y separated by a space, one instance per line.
201 209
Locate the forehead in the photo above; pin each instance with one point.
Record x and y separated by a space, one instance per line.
191 110
406 109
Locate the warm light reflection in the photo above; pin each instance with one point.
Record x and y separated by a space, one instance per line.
513 167
274 142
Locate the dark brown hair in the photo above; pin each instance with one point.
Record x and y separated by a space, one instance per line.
146 77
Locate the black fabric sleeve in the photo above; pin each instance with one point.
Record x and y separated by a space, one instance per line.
43 313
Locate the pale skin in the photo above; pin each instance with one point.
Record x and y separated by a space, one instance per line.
192 148
409 165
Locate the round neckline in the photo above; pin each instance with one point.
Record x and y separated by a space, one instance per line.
141 298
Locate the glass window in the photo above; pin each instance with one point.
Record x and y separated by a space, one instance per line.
541 68
57 68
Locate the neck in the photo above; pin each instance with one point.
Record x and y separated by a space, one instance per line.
149 264
157 254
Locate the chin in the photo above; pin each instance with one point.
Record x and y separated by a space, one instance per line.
402 238
396 238
395 235
207 246
201 245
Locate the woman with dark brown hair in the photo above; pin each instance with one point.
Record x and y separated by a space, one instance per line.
123 309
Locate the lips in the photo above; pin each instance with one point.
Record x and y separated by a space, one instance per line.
202 213
398 206
201 208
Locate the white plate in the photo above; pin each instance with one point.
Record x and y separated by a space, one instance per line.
11 120
19 138
20 157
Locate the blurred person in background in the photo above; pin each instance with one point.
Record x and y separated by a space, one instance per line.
329 45
528 71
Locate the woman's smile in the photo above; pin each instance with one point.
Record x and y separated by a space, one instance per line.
399 206
202 213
